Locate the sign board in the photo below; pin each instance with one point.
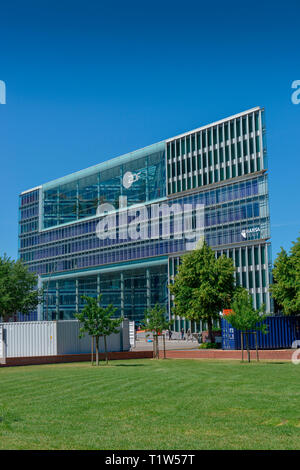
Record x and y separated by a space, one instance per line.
132 333
227 311
249 231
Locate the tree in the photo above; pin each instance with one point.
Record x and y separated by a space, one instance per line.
18 289
245 318
203 286
155 321
286 274
97 322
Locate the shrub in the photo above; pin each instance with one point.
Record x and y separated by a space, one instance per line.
209 346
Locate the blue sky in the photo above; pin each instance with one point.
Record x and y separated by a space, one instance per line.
87 81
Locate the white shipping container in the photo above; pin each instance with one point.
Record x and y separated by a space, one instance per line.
68 341
51 338
26 339
126 335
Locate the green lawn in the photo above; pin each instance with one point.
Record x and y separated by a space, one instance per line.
149 404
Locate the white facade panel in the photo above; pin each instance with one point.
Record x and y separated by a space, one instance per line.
132 333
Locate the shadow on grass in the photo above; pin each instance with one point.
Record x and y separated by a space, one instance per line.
129 365
262 361
277 362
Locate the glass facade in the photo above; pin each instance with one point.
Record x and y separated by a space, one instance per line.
233 148
221 167
131 291
79 198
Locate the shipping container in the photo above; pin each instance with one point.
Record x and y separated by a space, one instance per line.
51 338
282 331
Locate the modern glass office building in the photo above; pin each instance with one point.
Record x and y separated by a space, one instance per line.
101 230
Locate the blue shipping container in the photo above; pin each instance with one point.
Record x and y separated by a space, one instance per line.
282 332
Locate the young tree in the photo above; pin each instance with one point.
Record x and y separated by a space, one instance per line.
286 274
97 322
244 317
18 289
203 286
155 321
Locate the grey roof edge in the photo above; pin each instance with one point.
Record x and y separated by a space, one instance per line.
220 121
157 147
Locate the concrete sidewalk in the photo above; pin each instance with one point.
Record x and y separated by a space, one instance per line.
143 345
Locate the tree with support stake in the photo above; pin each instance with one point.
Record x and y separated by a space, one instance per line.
203 286
97 321
246 319
156 322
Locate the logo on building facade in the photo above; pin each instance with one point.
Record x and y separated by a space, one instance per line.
249 231
130 178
